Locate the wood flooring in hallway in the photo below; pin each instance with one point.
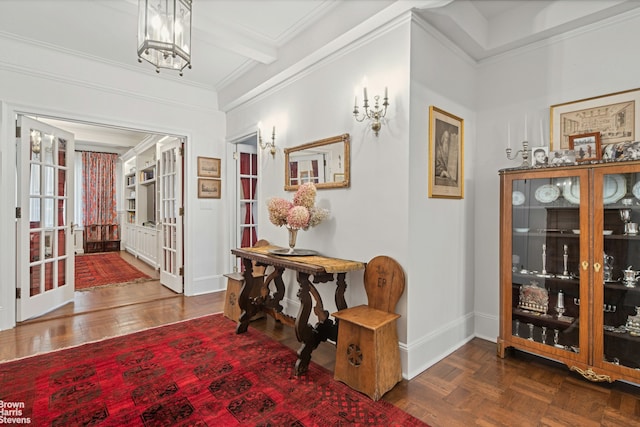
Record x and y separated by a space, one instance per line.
470 387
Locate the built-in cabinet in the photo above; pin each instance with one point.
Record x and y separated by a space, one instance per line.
569 262
139 231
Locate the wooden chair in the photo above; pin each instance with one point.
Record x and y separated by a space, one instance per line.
234 287
367 354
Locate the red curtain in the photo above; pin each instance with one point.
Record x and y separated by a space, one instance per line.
314 166
293 173
248 166
99 195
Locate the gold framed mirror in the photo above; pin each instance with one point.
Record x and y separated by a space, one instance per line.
324 162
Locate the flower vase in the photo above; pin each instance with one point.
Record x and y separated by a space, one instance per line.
293 234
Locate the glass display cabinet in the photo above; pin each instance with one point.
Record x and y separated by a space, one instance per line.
570 266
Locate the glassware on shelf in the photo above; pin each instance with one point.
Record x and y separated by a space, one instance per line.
565 260
633 323
625 216
544 272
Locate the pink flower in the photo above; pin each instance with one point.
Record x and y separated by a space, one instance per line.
278 210
298 217
305 196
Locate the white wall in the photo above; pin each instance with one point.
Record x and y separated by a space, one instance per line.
441 236
45 82
589 62
370 218
386 210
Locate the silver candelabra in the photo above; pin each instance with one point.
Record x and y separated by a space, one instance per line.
525 152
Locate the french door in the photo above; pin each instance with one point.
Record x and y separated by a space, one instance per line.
243 171
170 201
45 261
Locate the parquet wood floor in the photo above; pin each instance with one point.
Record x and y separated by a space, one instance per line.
470 387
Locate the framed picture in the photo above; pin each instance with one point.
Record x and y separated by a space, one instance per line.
209 188
622 151
539 156
446 154
585 146
561 157
615 116
209 167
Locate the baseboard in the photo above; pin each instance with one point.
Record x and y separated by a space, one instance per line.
435 346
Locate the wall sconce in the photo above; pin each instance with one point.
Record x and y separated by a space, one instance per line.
36 141
271 145
374 114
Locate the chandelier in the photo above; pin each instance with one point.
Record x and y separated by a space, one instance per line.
164 33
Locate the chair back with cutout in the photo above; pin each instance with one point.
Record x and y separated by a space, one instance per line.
384 283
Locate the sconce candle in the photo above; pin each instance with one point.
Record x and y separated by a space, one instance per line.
541 135
374 114
508 135
525 127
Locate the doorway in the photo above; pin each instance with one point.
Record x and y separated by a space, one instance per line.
101 138
244 174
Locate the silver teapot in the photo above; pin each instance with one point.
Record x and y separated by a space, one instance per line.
630 277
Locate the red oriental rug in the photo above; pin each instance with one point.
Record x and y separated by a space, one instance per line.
104 269
193 373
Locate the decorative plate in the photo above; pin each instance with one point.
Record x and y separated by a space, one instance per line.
571 191
518 198
614 188
636 190
547 193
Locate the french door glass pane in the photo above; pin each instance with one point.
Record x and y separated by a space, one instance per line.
62 272
34 279
62 152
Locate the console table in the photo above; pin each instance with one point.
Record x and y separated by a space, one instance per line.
323 269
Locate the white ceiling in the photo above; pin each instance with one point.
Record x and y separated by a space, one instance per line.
231 37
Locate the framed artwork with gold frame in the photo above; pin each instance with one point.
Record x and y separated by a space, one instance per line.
208 167
446 154
209 188
616 116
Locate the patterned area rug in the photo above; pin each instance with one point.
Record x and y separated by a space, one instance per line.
193 373
105 269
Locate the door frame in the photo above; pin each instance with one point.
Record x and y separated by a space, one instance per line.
8 184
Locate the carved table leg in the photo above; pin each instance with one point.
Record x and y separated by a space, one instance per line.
309 336
304 332
244 300
341 284
275 300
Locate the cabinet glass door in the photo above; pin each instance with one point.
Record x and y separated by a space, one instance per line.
617 288
546 246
